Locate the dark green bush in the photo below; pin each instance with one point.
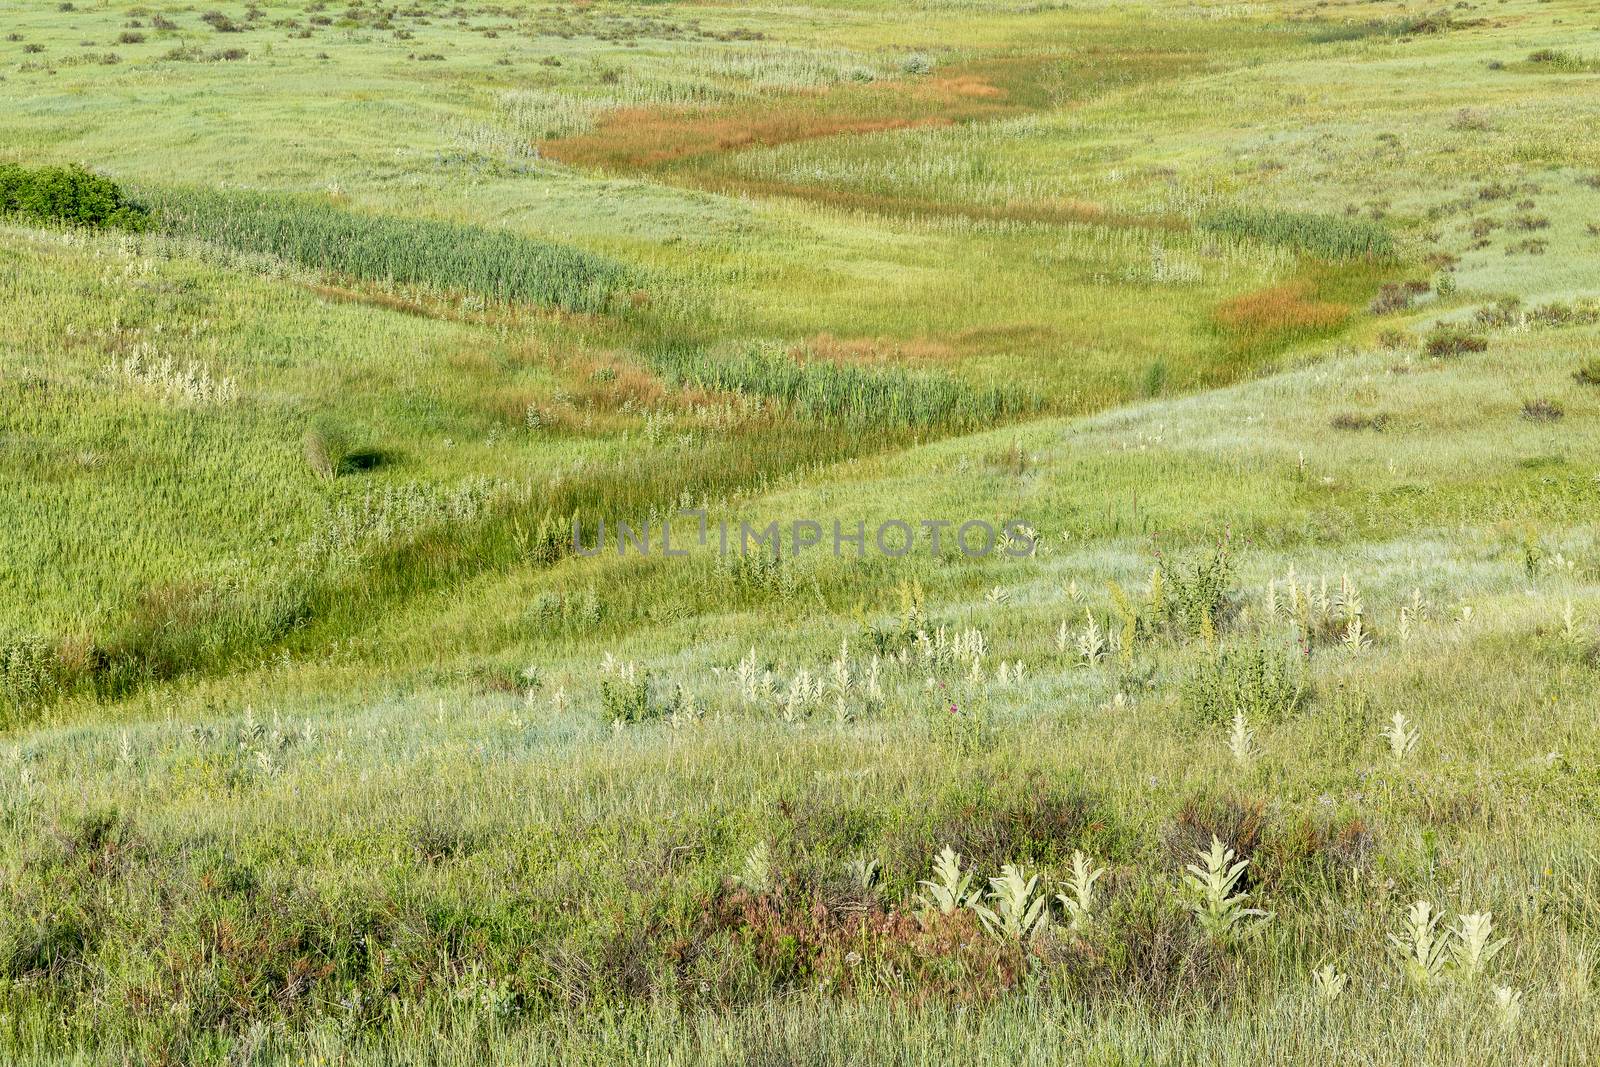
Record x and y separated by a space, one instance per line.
1267 686
71 195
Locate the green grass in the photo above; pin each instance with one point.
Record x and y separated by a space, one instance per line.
1322 236
318 745
439 257
831 394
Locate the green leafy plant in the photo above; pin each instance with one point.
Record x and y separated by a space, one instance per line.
71 195
1263 685
629 698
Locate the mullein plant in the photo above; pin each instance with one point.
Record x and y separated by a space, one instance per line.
1475 943
1426 954
1508 1007
950 888
755 873
1091 640
1077 902
1401 736
1019 911
1219 906
1420 949
1242 740
1327 983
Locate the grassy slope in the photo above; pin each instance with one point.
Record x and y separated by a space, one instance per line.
401 835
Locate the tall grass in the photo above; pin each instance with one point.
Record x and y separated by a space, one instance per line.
442 256
837 394
1323 236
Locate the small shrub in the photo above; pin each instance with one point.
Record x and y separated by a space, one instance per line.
1390 298
1396 296
1542 410
1563 62
1453 341
71 195
220 22
1266 686
30 676
130 37
1589 373
1351 421
326 448
1507 311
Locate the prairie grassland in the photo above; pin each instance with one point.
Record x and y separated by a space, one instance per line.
1278 326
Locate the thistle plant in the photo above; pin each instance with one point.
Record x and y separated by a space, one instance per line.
1475 944
1017 913
1078 900
1423 954
950 889
1402 737
1221 911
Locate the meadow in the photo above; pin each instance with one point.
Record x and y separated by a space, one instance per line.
1276 325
